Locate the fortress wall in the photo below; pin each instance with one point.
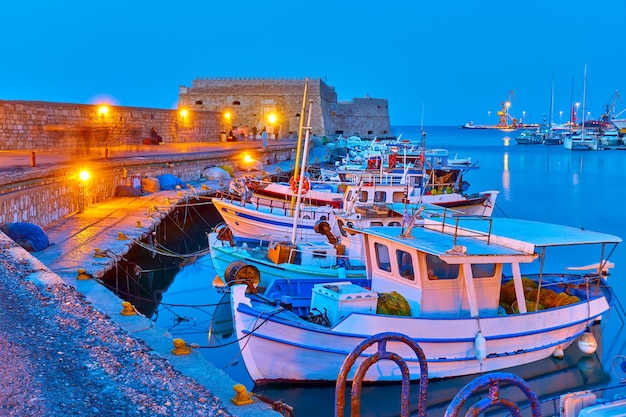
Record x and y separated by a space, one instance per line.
251 100
40 126
367 117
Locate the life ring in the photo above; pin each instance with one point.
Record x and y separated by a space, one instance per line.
295 185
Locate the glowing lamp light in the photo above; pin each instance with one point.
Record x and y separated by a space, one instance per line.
247 158
272 118
84 175
183 113
103 110
227 115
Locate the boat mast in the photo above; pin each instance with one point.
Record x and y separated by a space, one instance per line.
305 155
551 106
582 136
296 169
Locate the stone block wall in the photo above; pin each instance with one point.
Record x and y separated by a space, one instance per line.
366 117
249 102
40 126
42 196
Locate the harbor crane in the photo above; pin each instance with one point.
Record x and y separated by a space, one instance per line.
503 113
610 107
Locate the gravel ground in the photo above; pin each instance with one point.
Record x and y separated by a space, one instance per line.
62 357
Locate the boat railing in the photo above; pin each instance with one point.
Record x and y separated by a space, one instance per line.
459 226
279 207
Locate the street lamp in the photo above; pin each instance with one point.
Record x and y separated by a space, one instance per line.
577 106
488 116
272 120
523 116
84 176
561 117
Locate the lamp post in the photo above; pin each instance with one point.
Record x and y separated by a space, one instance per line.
577 106
523 116
84 176
561 117
488 117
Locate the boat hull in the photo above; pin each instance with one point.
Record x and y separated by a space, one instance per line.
222 255
278 347
254 223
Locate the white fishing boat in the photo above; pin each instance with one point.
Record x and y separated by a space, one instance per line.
457 301
271 220
445 188
274 220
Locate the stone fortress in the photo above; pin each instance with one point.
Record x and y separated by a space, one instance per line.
250 105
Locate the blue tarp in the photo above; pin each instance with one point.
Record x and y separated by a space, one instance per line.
169 182
28 235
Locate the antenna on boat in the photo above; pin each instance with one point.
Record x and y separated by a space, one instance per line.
411 222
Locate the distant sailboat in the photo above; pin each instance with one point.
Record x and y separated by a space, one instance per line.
551 136
582 140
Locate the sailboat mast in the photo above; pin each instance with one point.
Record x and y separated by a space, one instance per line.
551 106
584 101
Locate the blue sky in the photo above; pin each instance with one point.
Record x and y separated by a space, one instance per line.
450 61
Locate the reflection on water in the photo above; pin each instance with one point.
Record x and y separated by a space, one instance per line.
543 183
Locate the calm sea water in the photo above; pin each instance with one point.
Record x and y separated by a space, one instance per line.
536 182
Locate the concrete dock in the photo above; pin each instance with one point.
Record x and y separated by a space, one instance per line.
87 244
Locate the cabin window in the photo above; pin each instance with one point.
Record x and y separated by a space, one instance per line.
483 270
363 197
394 224
376 224
380 196
405 264
438 269
399 196
382 257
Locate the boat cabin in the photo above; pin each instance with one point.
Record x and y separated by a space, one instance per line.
435 273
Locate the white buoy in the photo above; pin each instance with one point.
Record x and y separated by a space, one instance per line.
480 346
587 343
558 352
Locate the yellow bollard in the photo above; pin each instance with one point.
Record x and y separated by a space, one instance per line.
121 236
138 223
242 396
98 253
127 309
82 275
180 347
